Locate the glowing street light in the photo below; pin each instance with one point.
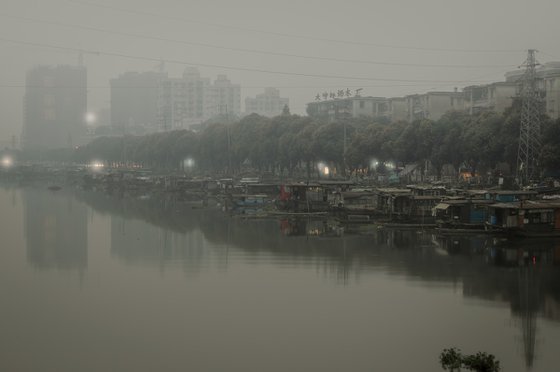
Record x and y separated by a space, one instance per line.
96 165
90 118
188 163
323 168
390 165
7 161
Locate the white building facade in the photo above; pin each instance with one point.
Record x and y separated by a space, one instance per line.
187 102
267 104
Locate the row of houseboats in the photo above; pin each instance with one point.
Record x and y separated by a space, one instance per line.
520 212
534 212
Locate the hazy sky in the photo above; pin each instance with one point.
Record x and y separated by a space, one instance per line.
388 47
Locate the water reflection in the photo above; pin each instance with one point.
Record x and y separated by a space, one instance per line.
487 267
528 290
523 275
134 241
55 226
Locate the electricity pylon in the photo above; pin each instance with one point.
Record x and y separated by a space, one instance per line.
530 128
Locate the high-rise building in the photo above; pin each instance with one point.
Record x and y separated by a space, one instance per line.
268 104
188 101
134 102
182 101
54 107
225 98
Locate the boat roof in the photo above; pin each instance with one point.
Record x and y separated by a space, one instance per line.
389 190
527 205
357 194
512 192
467 201
425 197
336 182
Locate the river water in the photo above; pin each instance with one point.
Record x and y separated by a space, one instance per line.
90 282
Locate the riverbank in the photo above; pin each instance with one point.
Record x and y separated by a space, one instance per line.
437 206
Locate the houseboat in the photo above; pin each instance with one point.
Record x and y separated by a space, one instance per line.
528 218
408 205
462 214
303 198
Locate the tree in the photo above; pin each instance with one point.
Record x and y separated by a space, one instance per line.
452 359
550 153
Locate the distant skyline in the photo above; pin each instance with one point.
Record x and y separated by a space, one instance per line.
388 48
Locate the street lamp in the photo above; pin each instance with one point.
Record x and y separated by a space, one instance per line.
7 161
90 118
188 163
323 169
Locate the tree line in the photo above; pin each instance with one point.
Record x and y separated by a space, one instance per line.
289 143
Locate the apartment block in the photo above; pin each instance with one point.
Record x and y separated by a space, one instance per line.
54 107
134 102
268 104
190 100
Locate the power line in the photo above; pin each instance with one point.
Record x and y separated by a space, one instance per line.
246 50
188 63
287 35
22 85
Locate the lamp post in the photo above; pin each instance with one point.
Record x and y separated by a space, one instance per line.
344 150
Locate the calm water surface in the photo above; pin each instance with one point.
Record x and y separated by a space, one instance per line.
90 282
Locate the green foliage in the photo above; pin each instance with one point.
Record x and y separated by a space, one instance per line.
481 362
452 359
289 142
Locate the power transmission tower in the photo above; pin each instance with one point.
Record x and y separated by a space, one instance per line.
530 128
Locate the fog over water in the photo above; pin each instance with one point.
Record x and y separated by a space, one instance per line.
93 282
388 48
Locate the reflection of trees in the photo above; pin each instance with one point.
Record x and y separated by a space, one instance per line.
134 240
161 212
483 267
154 231
55 228
523 274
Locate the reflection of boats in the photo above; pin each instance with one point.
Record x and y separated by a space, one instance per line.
250 200
54 187
310 227
248 204
407 225
461 229
297 214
